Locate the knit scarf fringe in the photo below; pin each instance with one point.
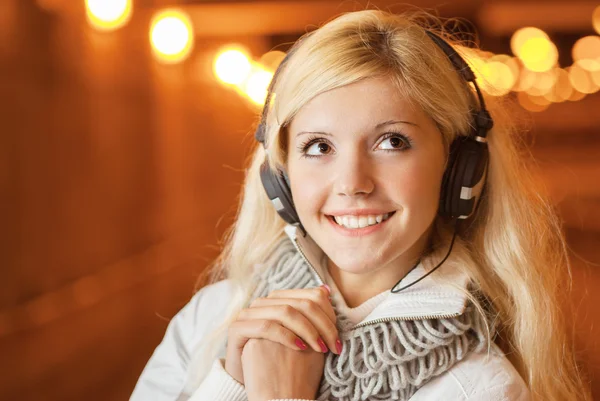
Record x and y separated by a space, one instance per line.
380 361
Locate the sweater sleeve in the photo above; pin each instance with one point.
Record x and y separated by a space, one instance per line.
218 385
164 376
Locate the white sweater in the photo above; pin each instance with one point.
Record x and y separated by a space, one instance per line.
219 385
478 377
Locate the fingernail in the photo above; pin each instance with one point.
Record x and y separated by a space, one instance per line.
300 344
338 346
327 288
322 345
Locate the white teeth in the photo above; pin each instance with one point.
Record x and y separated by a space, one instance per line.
350 221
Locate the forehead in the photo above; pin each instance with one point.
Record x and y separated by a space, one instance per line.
357 106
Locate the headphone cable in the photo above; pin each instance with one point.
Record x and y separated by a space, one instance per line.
395 291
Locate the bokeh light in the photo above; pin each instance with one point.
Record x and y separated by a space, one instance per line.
532 103
497 78
596 19
539 54
271 60
108 15
171 36
595 74
534 48
581 80
474 58
562 89
511 62
526 80
257 84
534 73
232 66
586 53
576 96
544 82
522 35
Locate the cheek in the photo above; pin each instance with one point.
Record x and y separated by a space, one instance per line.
417 186
307 190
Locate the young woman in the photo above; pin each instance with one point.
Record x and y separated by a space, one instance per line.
389 244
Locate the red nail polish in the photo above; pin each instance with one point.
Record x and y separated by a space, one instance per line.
322 345
338 346
300 344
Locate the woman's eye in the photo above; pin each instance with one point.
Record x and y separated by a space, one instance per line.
395 143
318 148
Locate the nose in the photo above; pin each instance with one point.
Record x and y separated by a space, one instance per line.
354 176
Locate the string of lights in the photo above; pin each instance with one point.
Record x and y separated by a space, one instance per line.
532 73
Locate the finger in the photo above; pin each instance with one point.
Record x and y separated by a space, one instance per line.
310 313
319 295
241 331
294 320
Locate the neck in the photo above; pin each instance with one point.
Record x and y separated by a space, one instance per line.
358 288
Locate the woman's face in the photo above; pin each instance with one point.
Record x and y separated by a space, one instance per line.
362 155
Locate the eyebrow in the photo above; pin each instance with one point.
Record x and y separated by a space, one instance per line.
389 122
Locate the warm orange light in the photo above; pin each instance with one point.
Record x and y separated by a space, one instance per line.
522 35
485 75
532 103
586 52
595 74
538 54
171 36
582 80
257 85
271 60
596 19
534 48
576 95
473 57
232 66
526 80
511 62
108 15
562 89
497 78
544 82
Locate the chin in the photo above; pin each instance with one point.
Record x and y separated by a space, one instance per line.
355 265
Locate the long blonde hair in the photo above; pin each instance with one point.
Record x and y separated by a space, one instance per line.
513 249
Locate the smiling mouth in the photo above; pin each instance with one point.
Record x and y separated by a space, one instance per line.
358 222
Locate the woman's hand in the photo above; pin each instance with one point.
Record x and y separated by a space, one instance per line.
274 371
297 319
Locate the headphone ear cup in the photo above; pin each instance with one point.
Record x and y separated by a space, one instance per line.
278 190
448 179
464 178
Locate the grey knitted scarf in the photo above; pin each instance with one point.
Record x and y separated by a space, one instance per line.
380 361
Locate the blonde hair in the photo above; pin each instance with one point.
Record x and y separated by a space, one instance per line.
513 248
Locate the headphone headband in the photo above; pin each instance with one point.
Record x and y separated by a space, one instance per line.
259 135
482 118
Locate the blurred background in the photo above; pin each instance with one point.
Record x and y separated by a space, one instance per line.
124 130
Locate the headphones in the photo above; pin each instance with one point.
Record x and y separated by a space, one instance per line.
464 177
